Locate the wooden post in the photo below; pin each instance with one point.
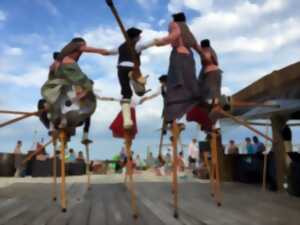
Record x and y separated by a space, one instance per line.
175 134
86 143
63 178
215 170
264 183
279 150
54 169
128 142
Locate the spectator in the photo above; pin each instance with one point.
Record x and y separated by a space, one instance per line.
193 154
150 161
232 148
80 157
259 147
71 157
42 154
18 159
249 146
139 162
180 161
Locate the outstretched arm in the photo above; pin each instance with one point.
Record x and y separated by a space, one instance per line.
100 51
174 33
146 98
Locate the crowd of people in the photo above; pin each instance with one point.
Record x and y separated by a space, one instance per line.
250 146
41 155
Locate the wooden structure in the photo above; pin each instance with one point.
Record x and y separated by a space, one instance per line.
280 84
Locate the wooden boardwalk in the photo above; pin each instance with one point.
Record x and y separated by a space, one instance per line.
30 204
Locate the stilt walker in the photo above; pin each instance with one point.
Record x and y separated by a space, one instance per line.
63 138
182 88
162 91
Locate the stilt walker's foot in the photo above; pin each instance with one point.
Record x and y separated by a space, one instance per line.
85 139
126 112
139 84
135 216
219 204
64 210
176 215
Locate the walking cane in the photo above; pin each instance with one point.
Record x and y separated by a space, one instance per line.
63 138
128 143
87 152
175 134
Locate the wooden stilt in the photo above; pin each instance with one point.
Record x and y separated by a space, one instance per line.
163 127
63 178
264 183
208 167
215 172
87 152
175 134
54 184
129 172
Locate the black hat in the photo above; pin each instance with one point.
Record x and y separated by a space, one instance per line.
133 32
179 17
55 55
163 78
205 43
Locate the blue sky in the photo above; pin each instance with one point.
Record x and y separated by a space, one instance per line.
252 38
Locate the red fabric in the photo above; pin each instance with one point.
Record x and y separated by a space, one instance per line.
117 125
200 115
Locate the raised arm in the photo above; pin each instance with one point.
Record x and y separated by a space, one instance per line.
174 33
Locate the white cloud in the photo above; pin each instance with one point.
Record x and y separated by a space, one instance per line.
178 5
33 78
3 16
49 6
146 4
13 51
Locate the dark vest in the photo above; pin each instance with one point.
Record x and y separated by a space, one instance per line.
164 91
125 54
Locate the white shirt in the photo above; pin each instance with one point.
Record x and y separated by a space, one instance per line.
193 150
139 47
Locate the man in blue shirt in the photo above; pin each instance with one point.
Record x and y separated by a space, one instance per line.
259 147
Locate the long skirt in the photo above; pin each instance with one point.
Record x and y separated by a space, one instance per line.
210 83
183 91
